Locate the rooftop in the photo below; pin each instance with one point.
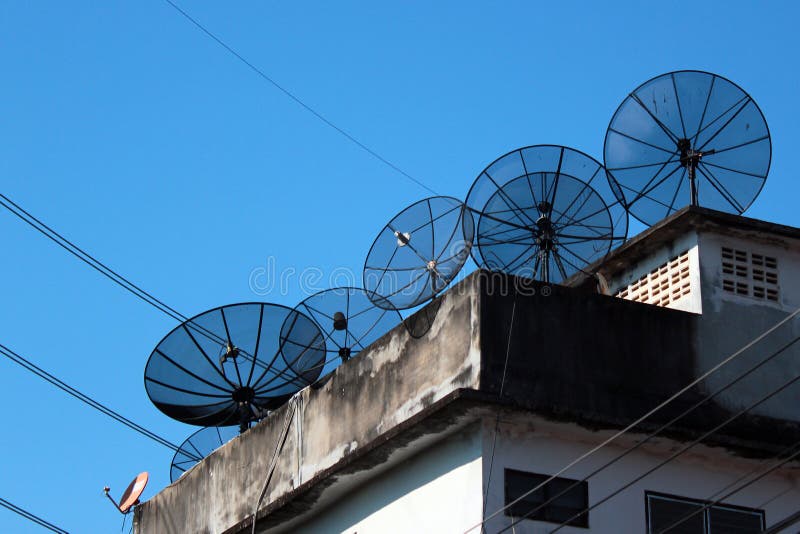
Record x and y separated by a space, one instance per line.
557 353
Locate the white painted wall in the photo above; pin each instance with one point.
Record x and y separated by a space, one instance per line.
730 321
786 251
440 489
543 447
691 302
436 491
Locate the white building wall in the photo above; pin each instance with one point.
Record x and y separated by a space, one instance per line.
437 491
731 321
649 267
441 488
545 448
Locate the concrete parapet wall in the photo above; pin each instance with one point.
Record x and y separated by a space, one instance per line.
557 352
385 385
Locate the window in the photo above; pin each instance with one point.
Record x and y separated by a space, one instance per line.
664 511
661 286
750 274
575 498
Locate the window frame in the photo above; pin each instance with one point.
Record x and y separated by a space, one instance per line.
702 502
581 521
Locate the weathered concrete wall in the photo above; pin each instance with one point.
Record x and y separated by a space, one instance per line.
394 379
558 352
574 354
604 362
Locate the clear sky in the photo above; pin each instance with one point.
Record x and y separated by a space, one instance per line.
128 130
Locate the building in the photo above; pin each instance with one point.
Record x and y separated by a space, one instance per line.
501 383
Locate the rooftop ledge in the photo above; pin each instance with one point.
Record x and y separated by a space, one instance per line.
585 358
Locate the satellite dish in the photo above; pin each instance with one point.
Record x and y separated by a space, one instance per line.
198 446
418 253
131 496
544 212
191 377
349 320
687 137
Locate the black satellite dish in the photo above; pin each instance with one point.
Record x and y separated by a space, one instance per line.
198 446
687 137
418 253
349 320
227 366
544 212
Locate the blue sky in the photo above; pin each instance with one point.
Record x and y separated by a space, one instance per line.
128 130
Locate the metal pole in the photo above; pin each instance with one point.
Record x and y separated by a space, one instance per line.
545 265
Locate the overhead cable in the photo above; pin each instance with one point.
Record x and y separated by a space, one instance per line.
31 517
719 497
41 373
295 98
147 297
631 426
677 453
670 423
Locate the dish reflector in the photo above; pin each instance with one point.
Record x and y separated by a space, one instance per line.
687 137
227 366
349 319
418 253
134 491
544 212
198 446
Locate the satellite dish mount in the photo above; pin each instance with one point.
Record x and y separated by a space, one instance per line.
131 496
690 159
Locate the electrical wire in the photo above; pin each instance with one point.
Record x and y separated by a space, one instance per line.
783 524
668 424
47 231
41 373
31 517
297 99
499 395
644 417
716 499
291 407
88 259
676 454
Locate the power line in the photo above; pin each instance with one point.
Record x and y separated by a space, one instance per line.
87 258
41 373
715 499
668 424
57 238
786 522
676 454
644 417
499 395
297 99
47 231
31 517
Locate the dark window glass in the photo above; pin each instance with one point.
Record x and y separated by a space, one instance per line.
664 511
569 498
735 521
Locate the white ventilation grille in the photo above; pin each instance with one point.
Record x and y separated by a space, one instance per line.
749 274
662 286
